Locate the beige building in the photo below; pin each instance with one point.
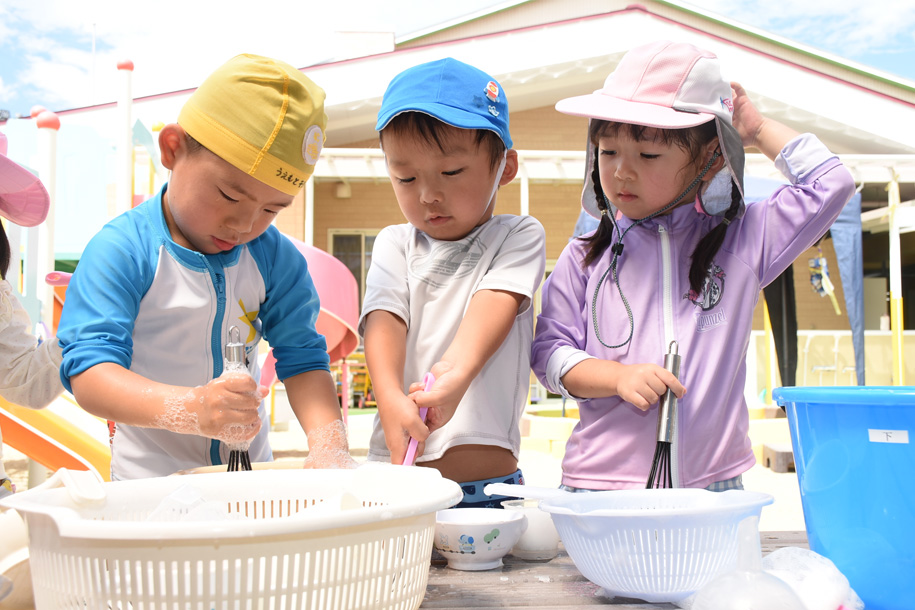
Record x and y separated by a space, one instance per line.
544 50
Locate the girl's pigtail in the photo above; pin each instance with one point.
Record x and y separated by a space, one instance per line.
602 237
708 246
5 253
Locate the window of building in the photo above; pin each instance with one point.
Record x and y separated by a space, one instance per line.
354 248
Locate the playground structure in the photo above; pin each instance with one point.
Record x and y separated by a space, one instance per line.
57 436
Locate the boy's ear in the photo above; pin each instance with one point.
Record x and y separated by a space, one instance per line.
511 167
172 144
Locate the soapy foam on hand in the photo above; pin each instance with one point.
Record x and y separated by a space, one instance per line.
236 433
328 447
177 418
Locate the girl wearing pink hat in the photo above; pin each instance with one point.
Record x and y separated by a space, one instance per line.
29 371
677 257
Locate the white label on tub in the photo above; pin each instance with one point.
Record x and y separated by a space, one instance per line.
888 436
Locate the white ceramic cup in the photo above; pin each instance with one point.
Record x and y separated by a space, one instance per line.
540 541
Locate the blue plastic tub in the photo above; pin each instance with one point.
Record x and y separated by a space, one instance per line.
854 451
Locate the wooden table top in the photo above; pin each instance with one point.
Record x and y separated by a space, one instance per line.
546 585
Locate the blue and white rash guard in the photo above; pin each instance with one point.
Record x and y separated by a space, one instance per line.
140 300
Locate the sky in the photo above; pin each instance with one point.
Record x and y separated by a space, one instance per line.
62 54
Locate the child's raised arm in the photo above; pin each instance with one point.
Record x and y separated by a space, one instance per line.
765 134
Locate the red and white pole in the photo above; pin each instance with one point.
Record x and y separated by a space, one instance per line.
48 125
124 190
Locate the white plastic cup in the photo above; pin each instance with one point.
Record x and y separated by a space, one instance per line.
540 541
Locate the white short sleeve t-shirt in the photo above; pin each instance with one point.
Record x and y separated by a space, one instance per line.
429 284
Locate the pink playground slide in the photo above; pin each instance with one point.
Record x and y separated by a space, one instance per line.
339 300
339 313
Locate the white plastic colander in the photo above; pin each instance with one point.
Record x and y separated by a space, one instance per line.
659 545
369 546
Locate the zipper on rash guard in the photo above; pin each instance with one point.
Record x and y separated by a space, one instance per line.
219 286
668 306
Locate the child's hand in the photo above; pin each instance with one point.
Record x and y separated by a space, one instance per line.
765 134
443 399
400 421
644 384
227 408
747 120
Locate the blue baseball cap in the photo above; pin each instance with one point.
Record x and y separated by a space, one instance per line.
451 91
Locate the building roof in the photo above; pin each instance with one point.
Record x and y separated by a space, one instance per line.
544 50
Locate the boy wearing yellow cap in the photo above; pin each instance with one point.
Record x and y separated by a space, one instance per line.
155 293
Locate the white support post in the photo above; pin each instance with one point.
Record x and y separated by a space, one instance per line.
41 253
896 324
309 237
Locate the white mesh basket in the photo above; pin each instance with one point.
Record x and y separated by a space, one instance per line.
280 550
659 545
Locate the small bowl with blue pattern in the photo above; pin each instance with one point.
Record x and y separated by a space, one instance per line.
476 539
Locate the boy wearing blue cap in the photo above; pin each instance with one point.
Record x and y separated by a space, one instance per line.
450 292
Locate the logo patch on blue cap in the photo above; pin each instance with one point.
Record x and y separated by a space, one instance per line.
492 91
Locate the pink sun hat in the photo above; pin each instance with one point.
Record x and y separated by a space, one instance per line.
23 198
661 84
667 85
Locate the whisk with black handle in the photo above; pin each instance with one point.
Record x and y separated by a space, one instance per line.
660 475
235 362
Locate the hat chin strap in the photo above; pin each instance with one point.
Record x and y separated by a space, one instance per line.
495 186
617 249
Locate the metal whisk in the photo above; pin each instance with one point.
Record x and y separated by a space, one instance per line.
660 475
235 361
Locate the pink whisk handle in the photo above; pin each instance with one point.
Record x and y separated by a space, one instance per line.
410 457
57 278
